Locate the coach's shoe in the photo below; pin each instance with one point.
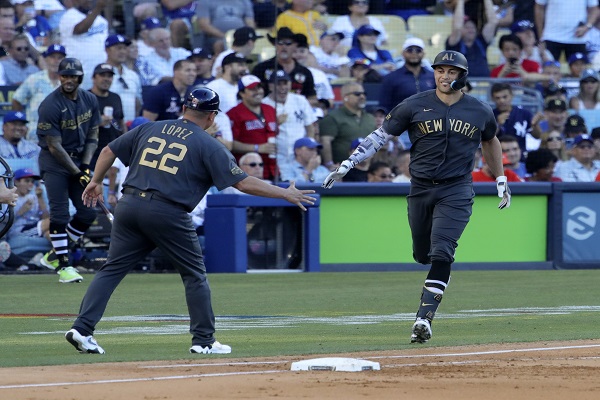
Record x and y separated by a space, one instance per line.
421 331
69 275
215 348
83 344
50 260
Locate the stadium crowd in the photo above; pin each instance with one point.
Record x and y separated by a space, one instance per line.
292 78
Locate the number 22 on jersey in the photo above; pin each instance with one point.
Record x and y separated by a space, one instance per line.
175 152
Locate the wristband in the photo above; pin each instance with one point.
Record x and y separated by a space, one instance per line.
256 148
589 26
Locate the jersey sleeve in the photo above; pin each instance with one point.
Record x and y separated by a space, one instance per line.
398 120
123 145
49 118
223 169
491 126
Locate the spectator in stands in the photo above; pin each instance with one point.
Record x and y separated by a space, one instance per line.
465 38
484 174
143 42
266 11
301 18
555 113
179 14
295 117
587 99
16 66
552 70
540 166
348 24
254 125
112 124
12 142
244 41
554 92
29 22
596 137
215 18
126 83
145 9
305 166
302 80
83 32
303 56
360 172
515 66
362 72
148 76
32 217
165 100
379 172
555 142
514 120
578 62
525 30
574 127
36 87
401 167
592 45
581 167
164 56
345 124
410 79
203 61
7 33
562 25
328 57
364 47
510 148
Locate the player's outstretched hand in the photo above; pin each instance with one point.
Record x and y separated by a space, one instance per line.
92 194
503 192
336 175
297 197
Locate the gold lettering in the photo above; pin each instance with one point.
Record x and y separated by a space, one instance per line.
422 128
448 57
470 134
186 135
177 131
170 130
465 129
437 125
163 129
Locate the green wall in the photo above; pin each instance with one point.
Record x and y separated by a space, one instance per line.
374 229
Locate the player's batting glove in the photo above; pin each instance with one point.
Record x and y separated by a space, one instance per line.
338 174
503 192
84 175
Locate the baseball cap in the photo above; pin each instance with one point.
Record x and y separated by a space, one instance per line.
301 40
555 105
521 26
200 53
582 138
380 109
413 41
575 124
307 142
12 116
136 122
595 133
356 142
53 49
589 74
553 89
331 32
244 34
150 23
235 58
248 81
282 33
26 173
326 103
280 75
365 62
116 39
552 63
104 67
578 56
366 30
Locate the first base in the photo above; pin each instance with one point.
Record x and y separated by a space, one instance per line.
335 364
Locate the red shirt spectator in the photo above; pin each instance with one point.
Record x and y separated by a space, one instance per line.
528 66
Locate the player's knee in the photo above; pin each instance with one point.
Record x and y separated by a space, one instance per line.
422 258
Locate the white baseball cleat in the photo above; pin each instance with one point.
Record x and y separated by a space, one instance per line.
83 344
421 331
215 348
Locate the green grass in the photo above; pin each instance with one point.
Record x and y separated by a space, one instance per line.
319 306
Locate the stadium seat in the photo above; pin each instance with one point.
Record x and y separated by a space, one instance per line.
263 45
395 28
433 29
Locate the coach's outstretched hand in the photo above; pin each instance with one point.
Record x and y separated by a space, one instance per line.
338 174
503 192
92 193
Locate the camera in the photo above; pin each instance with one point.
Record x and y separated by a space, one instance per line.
513 60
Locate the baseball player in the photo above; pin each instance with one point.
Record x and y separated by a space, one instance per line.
172 164
445 127
68 135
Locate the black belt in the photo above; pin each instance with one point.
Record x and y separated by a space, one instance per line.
151 194
424 181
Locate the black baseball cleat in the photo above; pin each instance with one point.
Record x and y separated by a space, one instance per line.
421 331
83 344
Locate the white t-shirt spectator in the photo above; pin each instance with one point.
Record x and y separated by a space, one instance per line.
129 88
216 68
342 24
562 17
87 47
163 66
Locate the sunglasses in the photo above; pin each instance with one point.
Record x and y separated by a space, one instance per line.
122 82
358 94
584 146
254 164
384 176
413 49
22 48
285 42
555 139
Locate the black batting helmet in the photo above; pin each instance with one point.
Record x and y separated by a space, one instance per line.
70 66
202 99
452 58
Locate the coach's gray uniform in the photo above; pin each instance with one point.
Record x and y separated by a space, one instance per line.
172 164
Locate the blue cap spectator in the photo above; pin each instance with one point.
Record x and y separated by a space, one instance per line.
521 26
53 49
200 53
116 39
150 23
26 173
12 116
307 142
367 30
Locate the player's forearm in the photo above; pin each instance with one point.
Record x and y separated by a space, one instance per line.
105 160
91 144
60 154
368 147
539 16
492 153
86 23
